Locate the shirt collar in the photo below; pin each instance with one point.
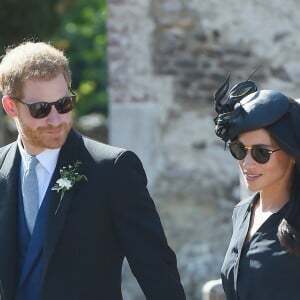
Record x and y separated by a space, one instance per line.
47 158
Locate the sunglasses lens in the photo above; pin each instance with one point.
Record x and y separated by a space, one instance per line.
65 104
261 155
42 109
237 150
39 110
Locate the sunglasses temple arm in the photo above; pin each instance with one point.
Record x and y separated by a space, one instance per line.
72 91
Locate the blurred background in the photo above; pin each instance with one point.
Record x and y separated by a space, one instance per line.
145 72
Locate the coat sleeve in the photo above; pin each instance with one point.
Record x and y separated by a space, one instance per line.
140 232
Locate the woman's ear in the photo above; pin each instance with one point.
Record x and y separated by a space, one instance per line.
9 106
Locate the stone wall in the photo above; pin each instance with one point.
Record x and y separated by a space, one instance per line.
166 58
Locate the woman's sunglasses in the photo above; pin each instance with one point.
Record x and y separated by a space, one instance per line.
259 153
40 110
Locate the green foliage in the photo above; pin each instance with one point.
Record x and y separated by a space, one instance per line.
83 36
22 20
76 26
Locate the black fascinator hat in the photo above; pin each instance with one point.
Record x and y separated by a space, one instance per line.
246 108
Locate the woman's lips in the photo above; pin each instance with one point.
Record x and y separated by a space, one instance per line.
251 176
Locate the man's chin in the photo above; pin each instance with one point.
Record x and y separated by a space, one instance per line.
55 143
55 139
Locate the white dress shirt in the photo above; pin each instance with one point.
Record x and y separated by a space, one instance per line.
44 169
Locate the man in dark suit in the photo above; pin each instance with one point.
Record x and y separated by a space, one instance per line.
93 207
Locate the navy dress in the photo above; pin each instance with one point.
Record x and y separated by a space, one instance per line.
259 269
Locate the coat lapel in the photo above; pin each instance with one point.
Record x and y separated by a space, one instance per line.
56 220
9 176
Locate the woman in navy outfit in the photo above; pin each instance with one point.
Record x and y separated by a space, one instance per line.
262 131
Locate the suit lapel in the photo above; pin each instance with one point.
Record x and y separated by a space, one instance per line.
56 220
9 177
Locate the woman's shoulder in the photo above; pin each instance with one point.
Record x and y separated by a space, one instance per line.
244 206
247 201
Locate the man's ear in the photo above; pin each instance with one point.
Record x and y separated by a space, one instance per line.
9 106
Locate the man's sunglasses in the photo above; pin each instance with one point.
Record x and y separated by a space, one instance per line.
259 153
40 110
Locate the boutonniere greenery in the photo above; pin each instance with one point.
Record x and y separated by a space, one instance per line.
68 177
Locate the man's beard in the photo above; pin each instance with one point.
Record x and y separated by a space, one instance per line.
40 138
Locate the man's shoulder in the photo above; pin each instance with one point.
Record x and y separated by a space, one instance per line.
120 157
101 150
4 149
7 153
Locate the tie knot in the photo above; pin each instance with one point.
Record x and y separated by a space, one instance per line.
33 161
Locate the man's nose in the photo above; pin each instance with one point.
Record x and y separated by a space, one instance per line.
54 117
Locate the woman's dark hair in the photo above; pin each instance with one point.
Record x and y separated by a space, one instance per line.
245 109
289 229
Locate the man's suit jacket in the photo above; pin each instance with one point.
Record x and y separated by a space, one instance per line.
98 223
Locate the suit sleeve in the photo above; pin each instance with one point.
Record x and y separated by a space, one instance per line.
140 232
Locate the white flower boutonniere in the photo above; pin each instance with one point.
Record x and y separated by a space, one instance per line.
69 177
